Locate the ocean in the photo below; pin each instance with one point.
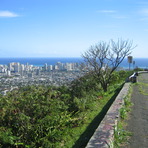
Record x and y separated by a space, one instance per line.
139 62
40 61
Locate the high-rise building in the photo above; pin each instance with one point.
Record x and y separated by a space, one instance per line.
10 67
50 68
16 67
45 66
69 66
22 69
60 66
8 73
38 72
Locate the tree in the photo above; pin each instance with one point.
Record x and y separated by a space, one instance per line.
103 59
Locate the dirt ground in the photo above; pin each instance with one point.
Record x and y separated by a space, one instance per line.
138 119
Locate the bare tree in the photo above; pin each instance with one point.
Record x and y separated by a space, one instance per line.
103 59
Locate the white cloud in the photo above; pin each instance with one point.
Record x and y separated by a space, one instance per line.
106 11
8 14
121 17
113 14
144 12
144 19
146 30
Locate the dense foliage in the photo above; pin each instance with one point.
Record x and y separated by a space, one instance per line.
39 116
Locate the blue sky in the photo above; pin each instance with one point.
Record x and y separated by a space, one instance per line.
67 28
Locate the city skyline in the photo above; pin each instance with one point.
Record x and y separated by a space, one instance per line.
67 28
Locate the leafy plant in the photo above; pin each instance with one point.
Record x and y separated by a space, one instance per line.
120 135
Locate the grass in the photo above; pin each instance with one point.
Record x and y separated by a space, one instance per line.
78 137
143 87
121 136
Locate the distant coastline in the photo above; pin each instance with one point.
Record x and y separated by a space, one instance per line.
40 61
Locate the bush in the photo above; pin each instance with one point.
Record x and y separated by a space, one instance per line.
32 116
84 85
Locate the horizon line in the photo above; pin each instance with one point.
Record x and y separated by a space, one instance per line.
64 57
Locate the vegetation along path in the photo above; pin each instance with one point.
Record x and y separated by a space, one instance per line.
138 122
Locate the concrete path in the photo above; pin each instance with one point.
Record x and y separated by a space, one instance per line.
138 121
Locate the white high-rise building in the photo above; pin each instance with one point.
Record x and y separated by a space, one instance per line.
60 65
17 67
10 67
14 67
50 67
68 66
45 66
56 67
8 73
22 69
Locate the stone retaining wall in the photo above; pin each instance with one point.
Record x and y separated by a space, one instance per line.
104 134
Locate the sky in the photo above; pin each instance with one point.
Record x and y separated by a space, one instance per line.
67 28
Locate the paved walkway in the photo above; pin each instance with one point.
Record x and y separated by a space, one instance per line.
138 122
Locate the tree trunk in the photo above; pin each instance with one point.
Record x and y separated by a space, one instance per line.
104 86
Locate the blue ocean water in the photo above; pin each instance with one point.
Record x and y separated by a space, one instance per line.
39 61
139 62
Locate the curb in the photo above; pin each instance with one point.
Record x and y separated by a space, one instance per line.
104 135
